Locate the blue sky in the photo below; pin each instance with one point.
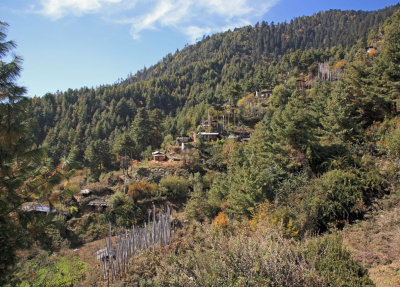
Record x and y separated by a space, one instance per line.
75 43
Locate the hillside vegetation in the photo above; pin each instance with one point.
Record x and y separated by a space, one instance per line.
288 153
177 91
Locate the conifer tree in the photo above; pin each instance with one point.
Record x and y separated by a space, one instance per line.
141 130
14 152
391 56
338 121
23 178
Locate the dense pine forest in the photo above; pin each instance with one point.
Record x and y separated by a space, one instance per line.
276 145
177 91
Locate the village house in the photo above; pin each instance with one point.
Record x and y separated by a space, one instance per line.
158 156
182 140
245 139
207 136
99 204
36 208
82 194
264 94
39 208
211 123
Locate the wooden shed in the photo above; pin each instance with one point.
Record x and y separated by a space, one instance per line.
181 140
99 204
158 156
209 136
36 208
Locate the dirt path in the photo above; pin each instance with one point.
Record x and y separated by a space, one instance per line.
87 252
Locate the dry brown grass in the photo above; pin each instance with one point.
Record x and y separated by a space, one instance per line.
87 253
386 275
376 242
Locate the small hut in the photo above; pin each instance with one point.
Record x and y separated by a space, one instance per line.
158 156
265 94
82 194
209 123
99 204
209 136
85 192
36 208
181 140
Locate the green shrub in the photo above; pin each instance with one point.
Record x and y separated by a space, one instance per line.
93 227
141 189
392 141
122 211
65 271
196 207
334 199
174 187
73 210
334 263
49 271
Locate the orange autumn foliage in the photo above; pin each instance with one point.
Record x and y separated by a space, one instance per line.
221 221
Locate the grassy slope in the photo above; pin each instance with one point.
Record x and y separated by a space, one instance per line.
376 242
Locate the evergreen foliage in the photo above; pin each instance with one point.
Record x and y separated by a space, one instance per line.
218 69
24 176
322 150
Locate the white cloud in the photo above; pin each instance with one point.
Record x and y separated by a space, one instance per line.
166 13
56 9
195 32
194 18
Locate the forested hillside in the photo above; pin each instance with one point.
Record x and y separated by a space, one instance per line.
271 144
176 91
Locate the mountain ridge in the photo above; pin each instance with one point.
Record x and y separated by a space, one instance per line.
209 71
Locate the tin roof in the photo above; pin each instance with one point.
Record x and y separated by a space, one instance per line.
36 207
98 202
208 134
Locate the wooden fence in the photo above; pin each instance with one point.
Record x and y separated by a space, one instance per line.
116 258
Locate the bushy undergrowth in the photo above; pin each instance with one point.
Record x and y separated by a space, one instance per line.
87 228
204 255
174 187
48 271
376 240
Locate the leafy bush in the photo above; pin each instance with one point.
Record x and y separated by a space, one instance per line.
49 271
65 271
141 189
334 199
122 210
221 221
93 227
73 210
277 217
174 187
333 263
392 140
196 208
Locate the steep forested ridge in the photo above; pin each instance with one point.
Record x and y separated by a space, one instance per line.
264 41
203 73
